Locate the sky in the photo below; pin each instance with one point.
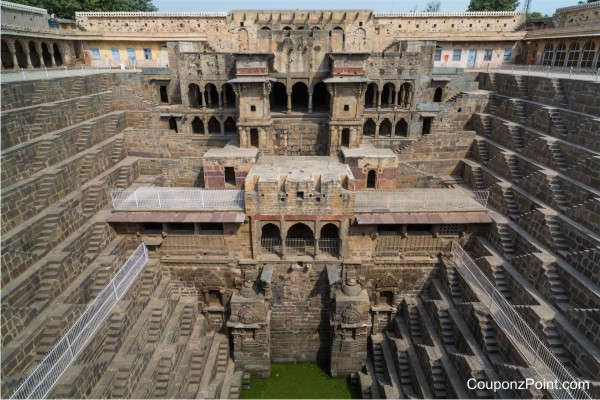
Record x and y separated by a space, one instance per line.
543 6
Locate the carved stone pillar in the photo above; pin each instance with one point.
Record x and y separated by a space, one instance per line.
289 102
13 53
26 50
51 51
310 102
38 47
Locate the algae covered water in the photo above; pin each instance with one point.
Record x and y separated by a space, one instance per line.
300 381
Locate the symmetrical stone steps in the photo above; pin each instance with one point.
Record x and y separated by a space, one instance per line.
501 282
557 288
438 377
414 323
507 241
454 285
555 343
511 204
446 327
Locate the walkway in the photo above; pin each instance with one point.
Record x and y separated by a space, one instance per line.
37 74
536 70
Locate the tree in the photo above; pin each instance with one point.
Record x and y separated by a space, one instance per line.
535 14
67 8
432 6
493 5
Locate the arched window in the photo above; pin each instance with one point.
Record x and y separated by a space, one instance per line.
194 96
34 56
346 137
300 239
573 59
437 96
270 238
320 98
300 97
547 55
387 95
197 126
385 128
7 61
229 126
278 97
401 128
371 95
561 53
372 179
265 28
57 55
589 51
369 128
329 242
211 96
46 55
404 97
229 96
20 53
214 126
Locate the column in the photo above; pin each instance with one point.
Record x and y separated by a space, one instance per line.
379 93
377 129
220 100
38 47
13 53
51 51
26 50
202 99
222 126
289 102
310 102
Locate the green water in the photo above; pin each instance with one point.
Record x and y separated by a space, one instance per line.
300 381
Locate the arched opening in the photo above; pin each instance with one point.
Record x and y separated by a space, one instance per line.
254 142
573 59
561 53
547 55
229 96
278 97
21 56
243 39
372 179
197 126
46 55
338 39
437 96
270 238
371 95
57 56
401 128
346 137
300 239
287 28
387 95
369 128
299 97
385 128
7 61
34 56
320 98
229 126
211 96
329 242
386 297
404 95
194 96
265 28
589 51
214 126
173 124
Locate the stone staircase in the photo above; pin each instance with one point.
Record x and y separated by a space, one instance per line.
378 360
513 165
42 151
101 279
519 112
92 199
161 378
501 282
446 327
117 151
522 85
486 122
555 343
404 371
557 290
222 358
39 94
559 241
558 193
557 122
511 203
122 178
482 151
506 241
414 323
438 378
46 189
488 332
453 282
46 235
186 323
557 156
478 182
94 243
516 137
48 282
560 93
84 137
155 325
87 168
51 332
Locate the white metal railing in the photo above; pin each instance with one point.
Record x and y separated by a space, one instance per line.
167 198
421 200
39 383
547 70
525 340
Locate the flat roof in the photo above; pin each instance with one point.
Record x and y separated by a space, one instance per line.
231 151
367 150
298 169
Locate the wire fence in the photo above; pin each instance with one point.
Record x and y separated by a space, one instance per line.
546 70
43 378
538 356
421 200
166 198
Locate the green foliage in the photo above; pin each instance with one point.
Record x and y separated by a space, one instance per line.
535 14
493 5
67 8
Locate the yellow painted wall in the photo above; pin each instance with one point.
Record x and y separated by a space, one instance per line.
159 54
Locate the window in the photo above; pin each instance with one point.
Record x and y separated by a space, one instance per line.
346 107
181 229
252 108
456 54
547 55
438 55
299 195
116 56
561 53
573 59
95 54
508 54
588 55
418 229
372 179
164 97
147 54
254 137
152 227
449 229
214 298
487 55
427 125
131 55
386 298
230 175
210 228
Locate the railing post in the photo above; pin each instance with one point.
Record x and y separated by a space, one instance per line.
137 205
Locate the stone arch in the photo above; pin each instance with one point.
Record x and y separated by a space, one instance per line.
369 127
229 126
385 128
46 56
329 239
574 53
387 95
57 55
214 126
299 97
228 96
589 52
548 54
265 28
242 39
371 95
561 53
211 96
437 95
20 53
194 95
361 39
7 61
270 238
300 231
401 128
278 97
320 98
338 38
33 55
197 126
404 96
371 179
